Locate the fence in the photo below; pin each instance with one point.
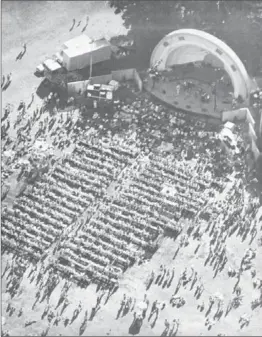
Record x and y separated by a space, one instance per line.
260 130
249 118
239 114
122 75
138 80
255 149
103 79
245 115
127 75
251 132
73 88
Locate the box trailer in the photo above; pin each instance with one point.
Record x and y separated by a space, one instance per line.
77 42
80 57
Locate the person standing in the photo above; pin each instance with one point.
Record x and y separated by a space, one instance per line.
3 81
167 325
9 80
74 21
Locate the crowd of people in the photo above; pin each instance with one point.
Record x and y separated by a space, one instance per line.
188 278
139 210
256 98
104 206
47 280
58 131
218 227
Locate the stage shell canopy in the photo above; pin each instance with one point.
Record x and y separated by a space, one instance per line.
192 45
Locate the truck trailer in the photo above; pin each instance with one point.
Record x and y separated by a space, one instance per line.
75 54
83 55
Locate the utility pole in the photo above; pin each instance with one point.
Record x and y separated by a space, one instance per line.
90 68
260 128
214 92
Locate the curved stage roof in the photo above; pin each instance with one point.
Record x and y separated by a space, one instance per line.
190 45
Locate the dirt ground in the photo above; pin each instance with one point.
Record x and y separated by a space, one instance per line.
44 26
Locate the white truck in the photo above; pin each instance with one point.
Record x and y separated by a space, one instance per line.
75 54
84 55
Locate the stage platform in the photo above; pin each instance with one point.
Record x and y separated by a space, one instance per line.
166 89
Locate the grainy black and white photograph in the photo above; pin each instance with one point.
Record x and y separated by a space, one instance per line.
131 168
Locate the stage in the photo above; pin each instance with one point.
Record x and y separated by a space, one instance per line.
183 90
